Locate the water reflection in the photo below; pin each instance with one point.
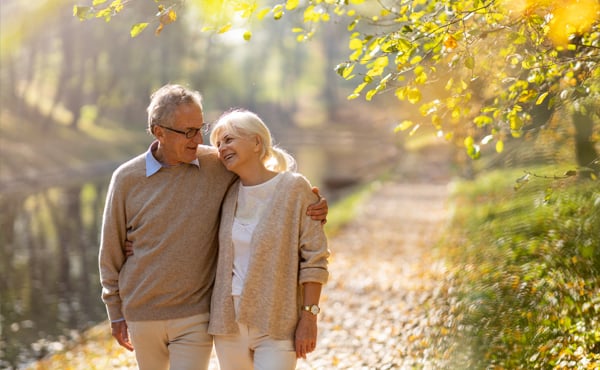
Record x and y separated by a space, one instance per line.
49 284
48 274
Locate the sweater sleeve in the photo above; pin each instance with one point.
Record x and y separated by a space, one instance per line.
111 257
313 249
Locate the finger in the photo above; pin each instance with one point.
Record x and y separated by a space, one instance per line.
315 190
299 353
122 336
125 343
300 350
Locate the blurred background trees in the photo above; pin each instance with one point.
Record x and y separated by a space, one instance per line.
480 72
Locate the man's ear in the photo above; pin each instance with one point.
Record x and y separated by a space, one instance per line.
158 132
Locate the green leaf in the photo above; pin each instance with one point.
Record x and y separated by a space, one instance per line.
470 62
81 12
137 28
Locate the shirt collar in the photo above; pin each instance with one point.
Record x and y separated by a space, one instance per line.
153 165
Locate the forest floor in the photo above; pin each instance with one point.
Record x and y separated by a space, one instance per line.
379 305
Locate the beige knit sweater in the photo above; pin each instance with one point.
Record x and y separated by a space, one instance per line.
288 249
172 218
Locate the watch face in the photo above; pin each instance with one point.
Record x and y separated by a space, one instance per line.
314 309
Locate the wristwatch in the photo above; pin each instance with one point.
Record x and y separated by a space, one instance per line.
313 308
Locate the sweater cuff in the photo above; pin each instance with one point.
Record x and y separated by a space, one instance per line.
313 275
114 313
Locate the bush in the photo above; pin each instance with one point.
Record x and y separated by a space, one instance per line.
523 288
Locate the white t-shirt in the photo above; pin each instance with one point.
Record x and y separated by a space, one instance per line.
251 203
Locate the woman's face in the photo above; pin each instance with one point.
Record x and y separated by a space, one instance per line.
237 151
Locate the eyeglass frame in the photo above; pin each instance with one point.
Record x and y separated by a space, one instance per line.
190 132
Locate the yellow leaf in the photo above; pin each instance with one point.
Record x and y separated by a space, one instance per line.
360 87
348 71
292 4
137 28
499 146
263 13
225 28
416 59
355 44
370 94
247 35
414 95
541 98
404 125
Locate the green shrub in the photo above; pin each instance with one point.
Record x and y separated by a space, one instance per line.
524 274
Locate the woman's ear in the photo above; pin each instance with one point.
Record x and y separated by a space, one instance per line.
258 144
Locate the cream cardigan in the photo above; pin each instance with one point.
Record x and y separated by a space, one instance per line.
288 249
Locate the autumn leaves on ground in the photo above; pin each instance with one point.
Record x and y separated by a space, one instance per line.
378 304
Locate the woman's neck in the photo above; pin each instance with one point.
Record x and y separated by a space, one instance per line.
256 176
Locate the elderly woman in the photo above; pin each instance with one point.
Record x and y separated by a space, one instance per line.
272 257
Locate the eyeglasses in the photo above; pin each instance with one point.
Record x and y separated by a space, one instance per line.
190 132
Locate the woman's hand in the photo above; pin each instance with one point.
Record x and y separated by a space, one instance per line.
128 248
306 334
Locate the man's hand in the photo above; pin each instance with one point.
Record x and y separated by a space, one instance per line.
120 333
318 211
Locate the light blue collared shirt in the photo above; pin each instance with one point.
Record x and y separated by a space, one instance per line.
153 165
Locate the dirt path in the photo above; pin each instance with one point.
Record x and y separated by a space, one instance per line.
376 306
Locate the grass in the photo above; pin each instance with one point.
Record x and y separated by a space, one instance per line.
524 274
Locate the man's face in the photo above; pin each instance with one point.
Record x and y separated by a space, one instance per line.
175 148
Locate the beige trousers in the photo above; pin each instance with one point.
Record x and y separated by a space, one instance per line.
251 350
179 344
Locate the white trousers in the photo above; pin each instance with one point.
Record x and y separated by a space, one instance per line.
179 344
251 350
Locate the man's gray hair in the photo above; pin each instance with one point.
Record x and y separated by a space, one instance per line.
165 101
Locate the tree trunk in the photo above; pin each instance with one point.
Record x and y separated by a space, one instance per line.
585 150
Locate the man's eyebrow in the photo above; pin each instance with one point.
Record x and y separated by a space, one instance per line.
188 127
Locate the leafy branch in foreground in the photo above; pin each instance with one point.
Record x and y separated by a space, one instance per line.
480 71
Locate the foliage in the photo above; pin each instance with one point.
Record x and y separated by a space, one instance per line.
524 281
490 65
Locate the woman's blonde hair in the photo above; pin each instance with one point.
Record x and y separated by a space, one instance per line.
243 123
